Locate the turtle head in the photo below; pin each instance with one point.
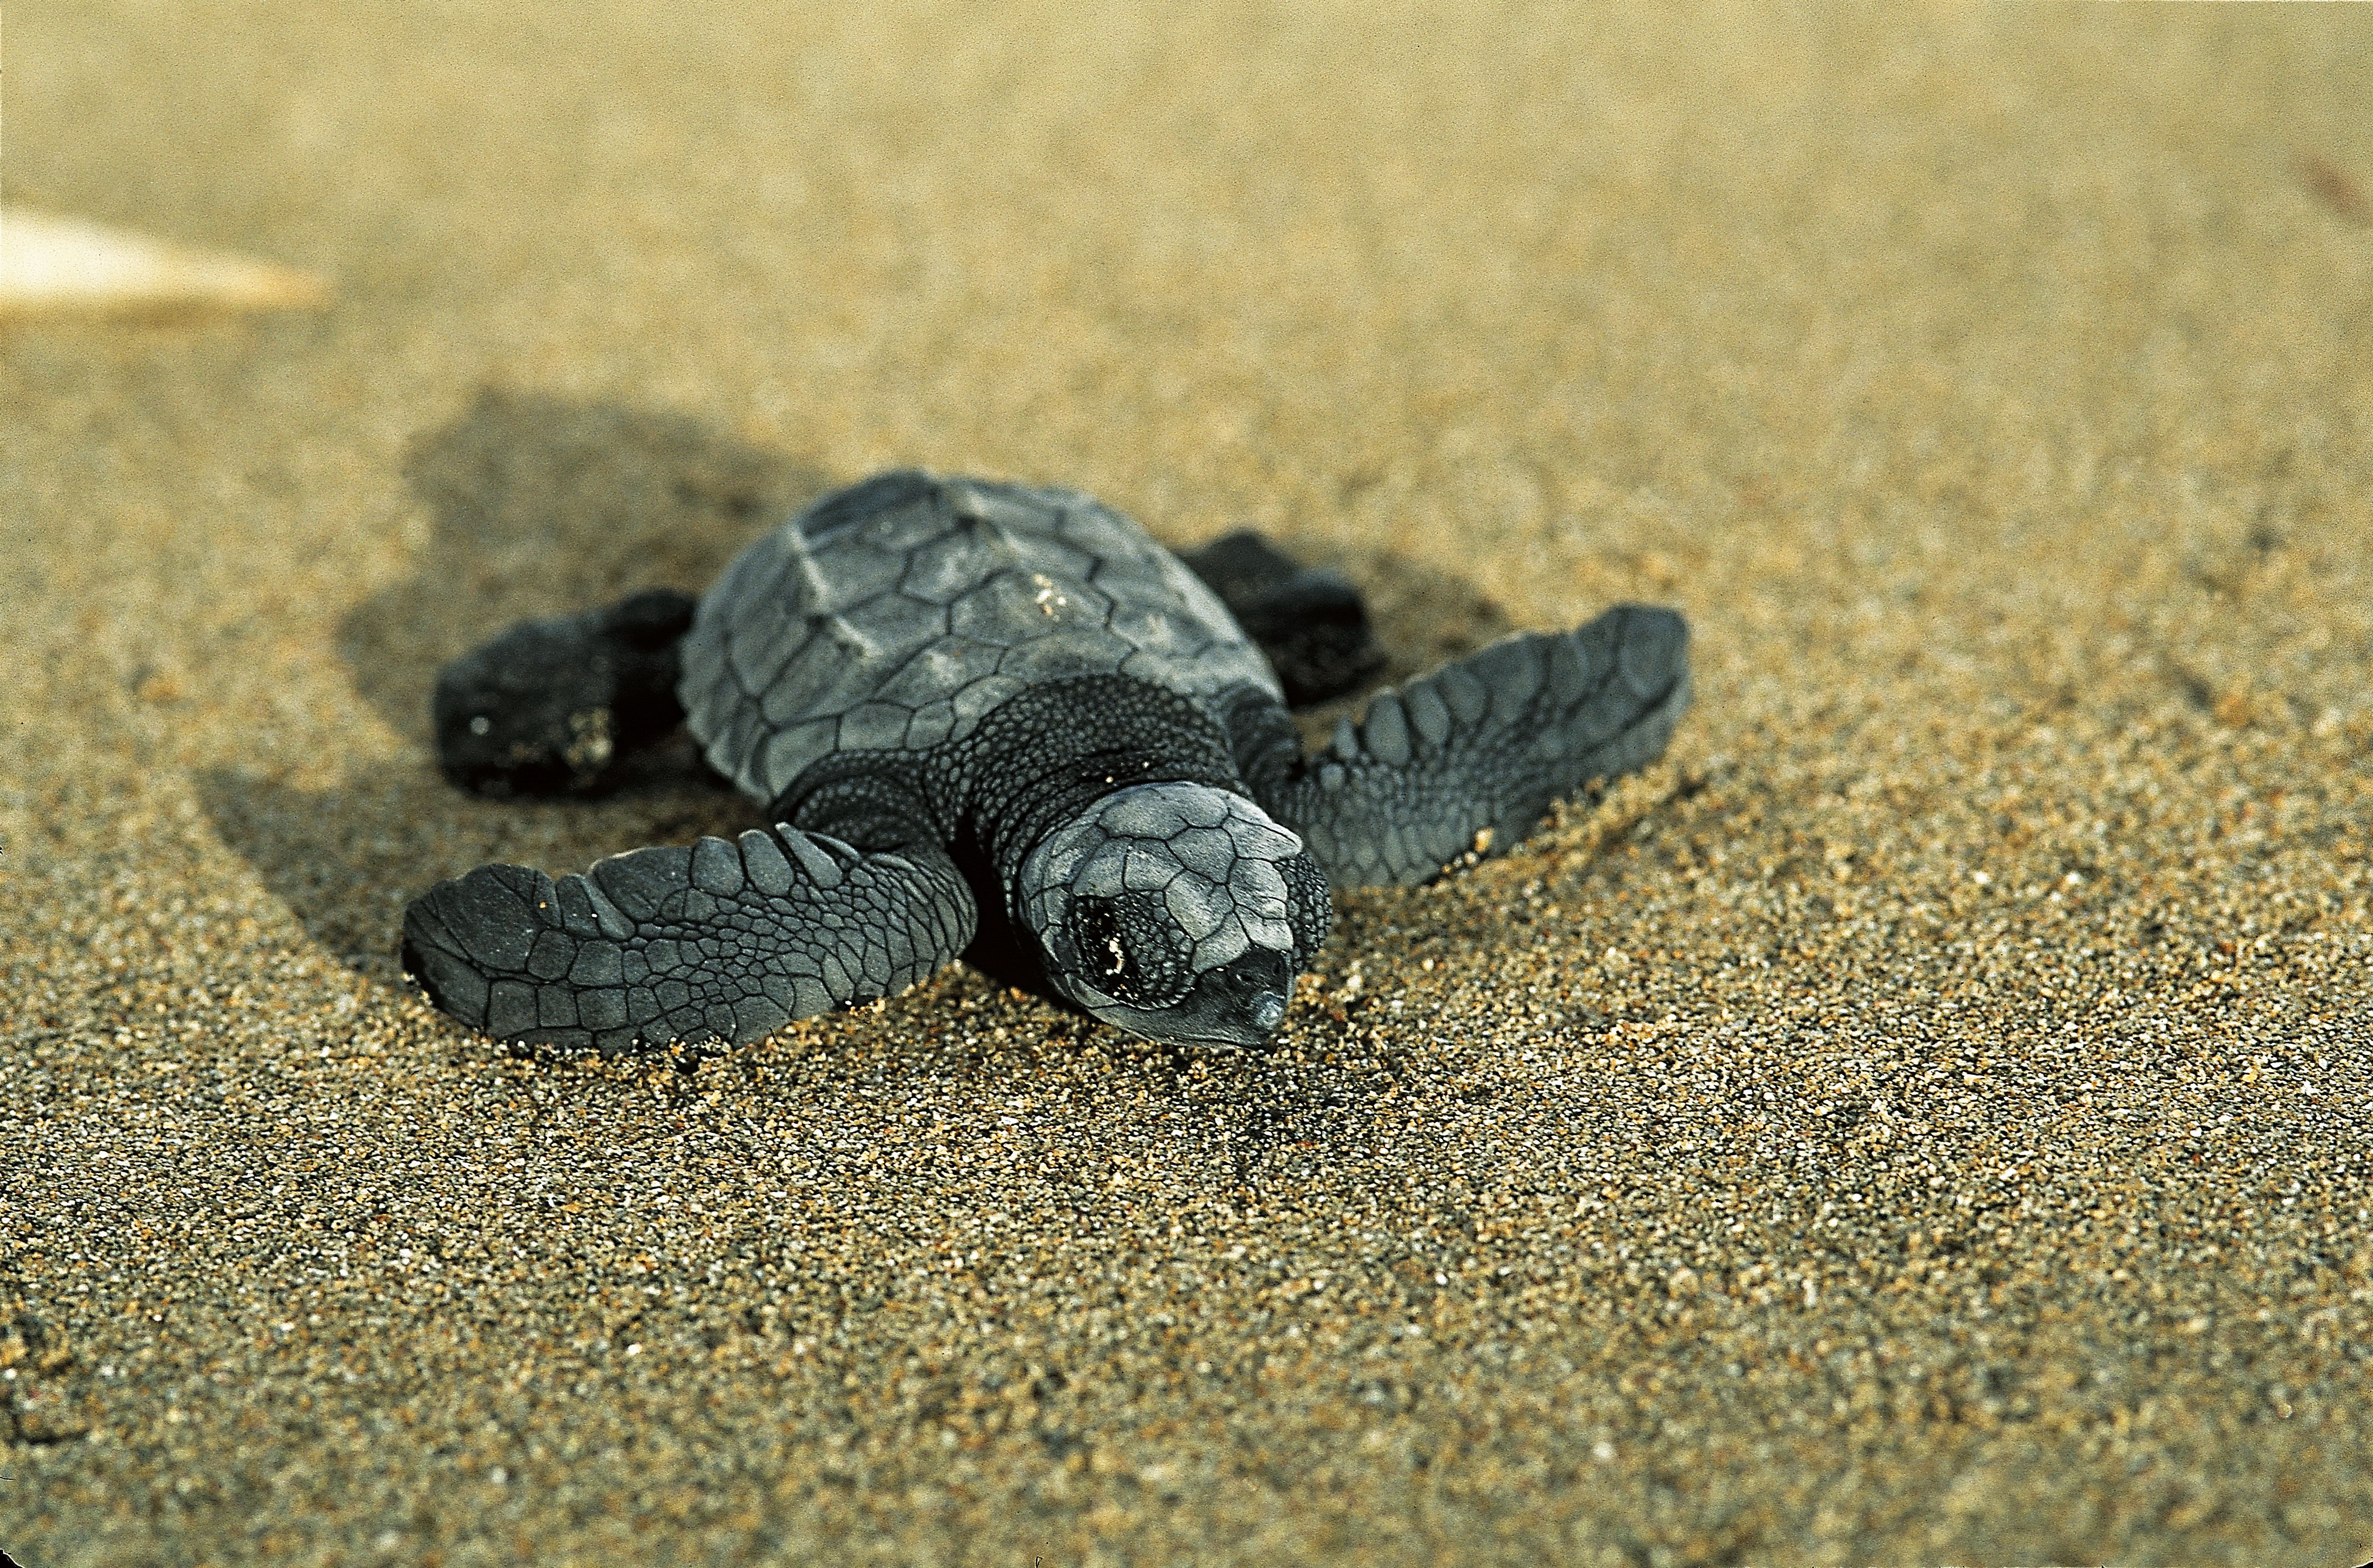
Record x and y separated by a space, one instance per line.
1177 911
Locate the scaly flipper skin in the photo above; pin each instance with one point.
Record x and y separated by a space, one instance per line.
562 706
1466 761
1308 621
722 941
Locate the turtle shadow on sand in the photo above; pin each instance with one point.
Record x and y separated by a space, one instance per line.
542 507
538 506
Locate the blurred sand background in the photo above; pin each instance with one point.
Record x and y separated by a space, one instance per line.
1923 1120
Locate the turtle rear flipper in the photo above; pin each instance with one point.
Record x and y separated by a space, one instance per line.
1466 761
563 706
1309 621
721 941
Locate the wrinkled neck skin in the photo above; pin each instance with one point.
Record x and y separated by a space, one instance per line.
1033 780
1033 765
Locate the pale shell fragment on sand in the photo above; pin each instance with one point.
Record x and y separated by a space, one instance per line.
60 266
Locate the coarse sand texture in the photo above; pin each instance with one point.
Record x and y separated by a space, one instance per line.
1924 1119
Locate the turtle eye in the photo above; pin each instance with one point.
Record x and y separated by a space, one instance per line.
1127 949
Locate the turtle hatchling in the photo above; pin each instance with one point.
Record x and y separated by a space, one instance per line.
970 706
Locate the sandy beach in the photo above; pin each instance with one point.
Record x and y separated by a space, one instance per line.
1924 1120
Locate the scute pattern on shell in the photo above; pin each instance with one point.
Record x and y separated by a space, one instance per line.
896 614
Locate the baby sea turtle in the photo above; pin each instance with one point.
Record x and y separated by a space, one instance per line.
966 703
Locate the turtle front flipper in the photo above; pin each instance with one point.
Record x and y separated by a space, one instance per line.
563 706
1466 761
1309 621
721 941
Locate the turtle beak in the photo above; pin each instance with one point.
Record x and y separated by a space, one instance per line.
1252 993
1240 1005
1238 1008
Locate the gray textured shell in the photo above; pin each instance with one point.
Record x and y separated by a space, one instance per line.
894 615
